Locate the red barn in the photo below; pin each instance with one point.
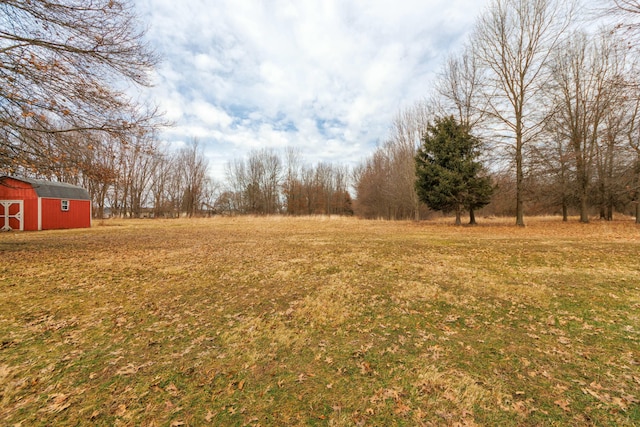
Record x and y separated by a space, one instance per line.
33 204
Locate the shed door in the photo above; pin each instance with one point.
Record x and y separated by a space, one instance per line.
11 215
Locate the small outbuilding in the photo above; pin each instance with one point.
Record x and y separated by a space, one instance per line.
33 204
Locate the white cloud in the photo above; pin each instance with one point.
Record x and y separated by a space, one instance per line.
324 75
209 114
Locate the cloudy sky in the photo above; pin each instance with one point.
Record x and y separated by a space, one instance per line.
326 76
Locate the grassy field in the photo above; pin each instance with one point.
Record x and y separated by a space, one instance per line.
317 321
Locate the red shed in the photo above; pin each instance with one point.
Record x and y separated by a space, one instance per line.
33 204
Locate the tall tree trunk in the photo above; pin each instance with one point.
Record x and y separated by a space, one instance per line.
458 216
583 182
563 182
472 217
519 187
637 189
584 207
610 178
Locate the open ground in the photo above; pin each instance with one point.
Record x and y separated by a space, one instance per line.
321 321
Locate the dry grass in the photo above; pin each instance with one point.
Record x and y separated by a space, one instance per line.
321 321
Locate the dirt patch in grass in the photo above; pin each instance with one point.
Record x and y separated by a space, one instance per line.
321 321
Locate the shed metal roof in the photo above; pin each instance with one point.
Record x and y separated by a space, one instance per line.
54 190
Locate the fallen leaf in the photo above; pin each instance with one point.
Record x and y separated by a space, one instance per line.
130 369
564 404
122 409
621 403
365 368
592 393
171 388
401 408
520 407
450 395
209 417
596 386
58 403
561 388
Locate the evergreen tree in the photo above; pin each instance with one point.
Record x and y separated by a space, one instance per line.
449 176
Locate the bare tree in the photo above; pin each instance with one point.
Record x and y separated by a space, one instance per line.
633 139
310 199
626 15
374 187
341 201
173 184
585 79
271 181
611 156
193 167
513 40
160 184
459 89
385 182
99 173
255 182
407 130
62 66
237 182
291 187
554 159
137 160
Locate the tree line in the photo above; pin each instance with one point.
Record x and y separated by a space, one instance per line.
264 183
546 95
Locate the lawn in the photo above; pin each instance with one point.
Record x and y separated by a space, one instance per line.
318 321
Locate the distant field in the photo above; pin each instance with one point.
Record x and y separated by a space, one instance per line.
317 321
